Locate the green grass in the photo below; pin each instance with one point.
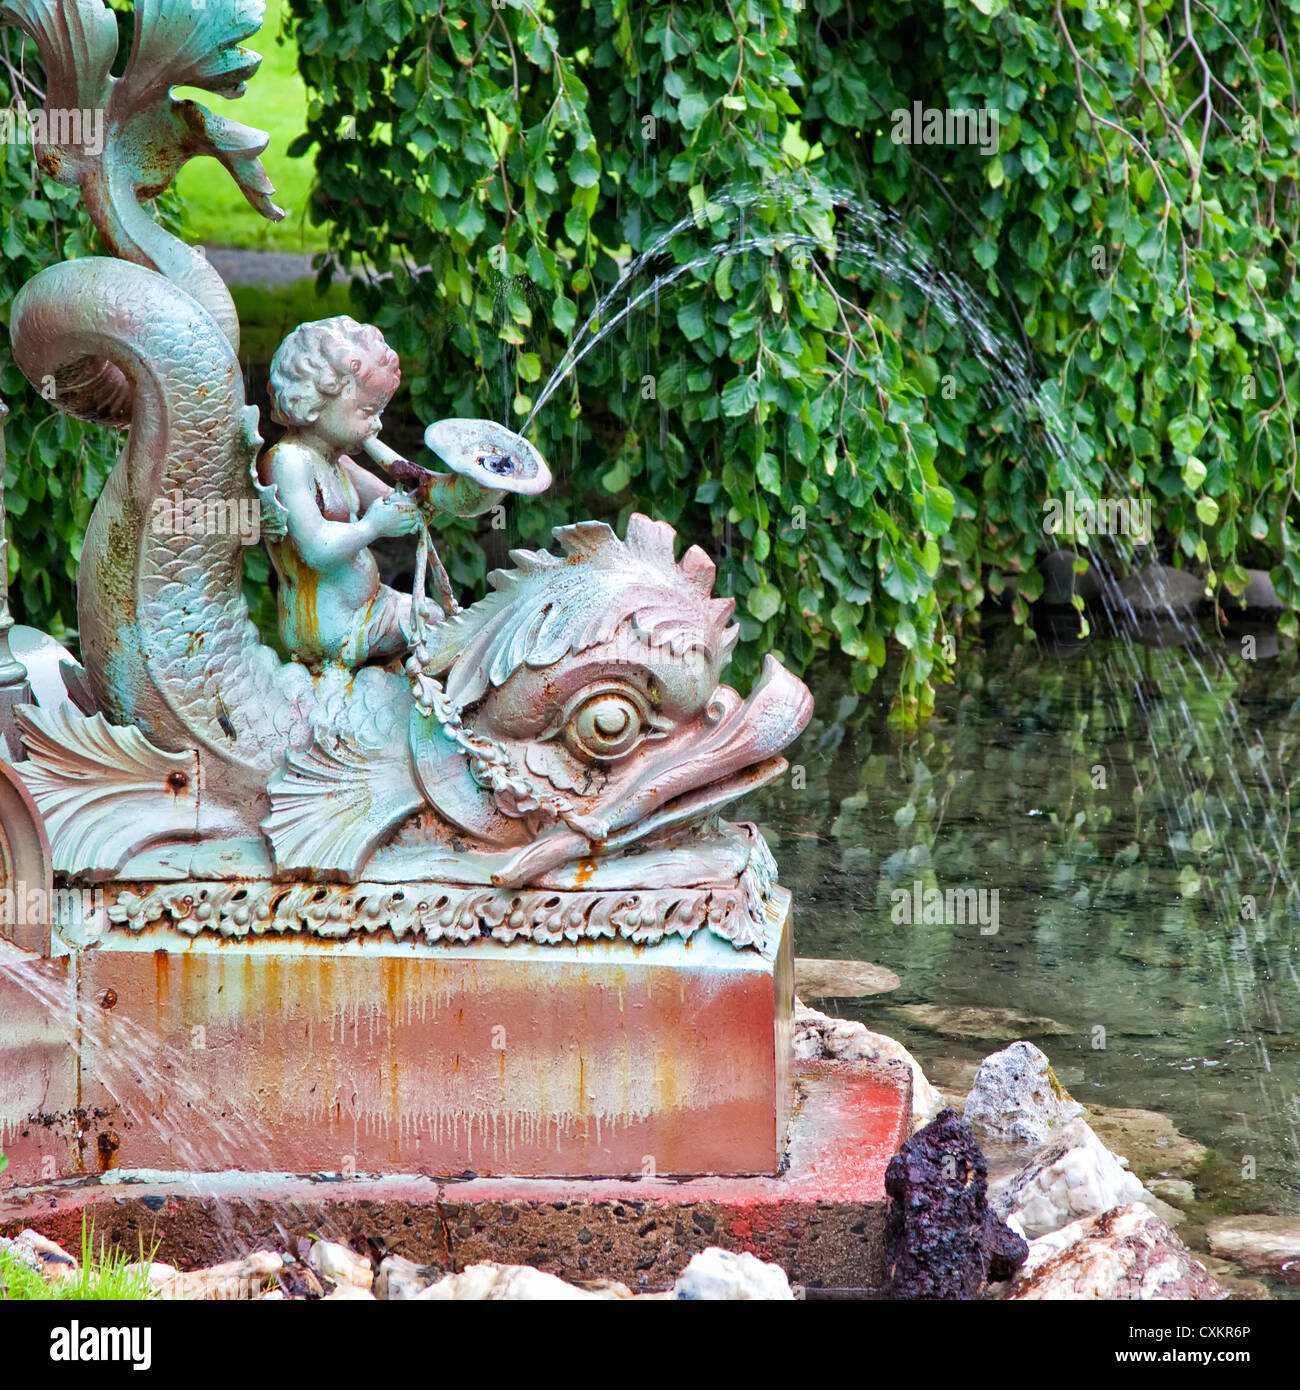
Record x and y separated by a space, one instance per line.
276 101
267 315
102 1278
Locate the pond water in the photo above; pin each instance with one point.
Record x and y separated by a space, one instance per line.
1131 806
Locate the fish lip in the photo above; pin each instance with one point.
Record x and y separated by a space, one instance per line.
697 801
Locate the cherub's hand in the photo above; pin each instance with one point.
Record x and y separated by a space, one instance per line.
393 515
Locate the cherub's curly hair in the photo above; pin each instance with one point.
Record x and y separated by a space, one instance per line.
316 360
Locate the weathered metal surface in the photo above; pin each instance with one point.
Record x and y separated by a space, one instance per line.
26 868
558 753
14 689
40 1102
738 912
822 1219
303 1055
575 714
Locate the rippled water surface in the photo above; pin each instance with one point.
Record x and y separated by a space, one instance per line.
1132 807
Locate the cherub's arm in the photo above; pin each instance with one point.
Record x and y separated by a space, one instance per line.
369 488
325 544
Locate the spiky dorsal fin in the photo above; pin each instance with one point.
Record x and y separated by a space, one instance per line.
548 607
78 42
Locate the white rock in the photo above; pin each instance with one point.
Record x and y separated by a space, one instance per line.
52 1262
1129 1253
1176 1190
496 1283
158 1273
234 1280
1261 1244
1074 1176
345 1291
400 1279
716 1274
841 1039
336 1262
1016 1101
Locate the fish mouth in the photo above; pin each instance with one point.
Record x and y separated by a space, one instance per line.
736 755
694 803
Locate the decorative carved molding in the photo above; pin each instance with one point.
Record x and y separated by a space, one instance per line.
736 913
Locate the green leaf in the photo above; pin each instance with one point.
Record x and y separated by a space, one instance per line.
739 396
763 601
1194 474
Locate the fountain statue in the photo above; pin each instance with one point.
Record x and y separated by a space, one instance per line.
447 889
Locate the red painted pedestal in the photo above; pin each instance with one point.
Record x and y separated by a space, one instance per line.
194 1054
822 1219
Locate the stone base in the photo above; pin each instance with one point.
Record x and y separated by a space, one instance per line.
159 1050
822 1219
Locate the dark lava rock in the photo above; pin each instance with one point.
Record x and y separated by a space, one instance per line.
1259 598
1161 592
941 1239
1060 582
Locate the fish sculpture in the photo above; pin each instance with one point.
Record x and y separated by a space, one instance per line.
571 728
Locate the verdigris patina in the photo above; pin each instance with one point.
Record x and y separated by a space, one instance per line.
490 832
570 731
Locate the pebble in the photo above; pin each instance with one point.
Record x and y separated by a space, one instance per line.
341 1265
400 1280
841 979
1262 1244
962 1021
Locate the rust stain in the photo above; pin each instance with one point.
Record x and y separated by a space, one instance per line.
109 1146
584 873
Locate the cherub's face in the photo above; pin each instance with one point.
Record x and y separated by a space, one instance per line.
353 416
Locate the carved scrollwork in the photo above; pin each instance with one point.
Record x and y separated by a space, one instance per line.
736 913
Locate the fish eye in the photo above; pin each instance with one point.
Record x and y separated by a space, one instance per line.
605 725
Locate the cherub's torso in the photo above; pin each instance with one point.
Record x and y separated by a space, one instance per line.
320 607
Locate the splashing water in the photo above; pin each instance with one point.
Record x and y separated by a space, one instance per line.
147 1078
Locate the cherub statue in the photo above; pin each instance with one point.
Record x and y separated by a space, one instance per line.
330 382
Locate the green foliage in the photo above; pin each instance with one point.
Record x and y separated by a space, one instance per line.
862 474
55 466
103 1276
829 437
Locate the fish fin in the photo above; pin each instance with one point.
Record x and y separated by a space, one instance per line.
333 803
